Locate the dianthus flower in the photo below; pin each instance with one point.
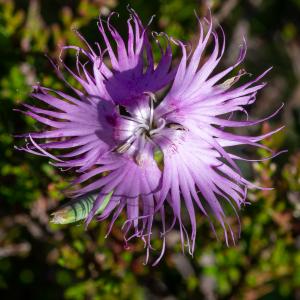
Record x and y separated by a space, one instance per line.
148 155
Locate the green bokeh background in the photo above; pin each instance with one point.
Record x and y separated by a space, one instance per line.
39 260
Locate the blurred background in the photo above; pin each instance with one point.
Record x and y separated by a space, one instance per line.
39 260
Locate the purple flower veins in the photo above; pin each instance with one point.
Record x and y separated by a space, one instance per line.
113 129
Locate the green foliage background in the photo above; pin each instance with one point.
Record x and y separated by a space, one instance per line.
42 261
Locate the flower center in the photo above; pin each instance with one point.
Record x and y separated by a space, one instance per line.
145 118
138 125
141 133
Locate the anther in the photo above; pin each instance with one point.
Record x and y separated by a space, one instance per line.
175 126
123 148
128 143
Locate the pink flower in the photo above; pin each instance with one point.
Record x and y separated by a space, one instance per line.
112 131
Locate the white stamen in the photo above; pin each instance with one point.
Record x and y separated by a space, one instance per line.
152 100
127 144
144 126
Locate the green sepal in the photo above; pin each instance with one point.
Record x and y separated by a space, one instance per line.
78 209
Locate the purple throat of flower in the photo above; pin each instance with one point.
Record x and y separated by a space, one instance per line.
165 160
